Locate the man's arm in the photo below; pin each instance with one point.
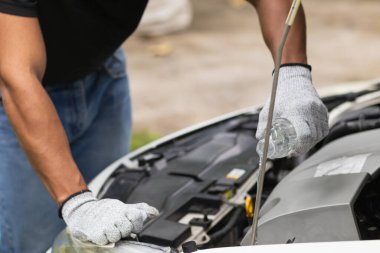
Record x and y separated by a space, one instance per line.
272 15
40 132
30 110
296 100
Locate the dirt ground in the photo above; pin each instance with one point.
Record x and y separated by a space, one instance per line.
221 63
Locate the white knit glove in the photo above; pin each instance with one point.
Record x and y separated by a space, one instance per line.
104 221
298 102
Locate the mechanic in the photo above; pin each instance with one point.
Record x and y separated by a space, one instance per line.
65 112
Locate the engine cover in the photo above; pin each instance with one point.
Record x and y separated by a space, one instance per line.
315 202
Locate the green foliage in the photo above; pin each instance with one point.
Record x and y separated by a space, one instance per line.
140 138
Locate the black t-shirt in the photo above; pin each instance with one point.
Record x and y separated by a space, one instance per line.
79 35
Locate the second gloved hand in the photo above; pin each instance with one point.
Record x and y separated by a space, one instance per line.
104 221
298 102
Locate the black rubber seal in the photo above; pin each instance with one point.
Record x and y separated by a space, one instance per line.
67 199
295 64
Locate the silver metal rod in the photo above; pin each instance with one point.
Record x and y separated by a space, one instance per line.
263 159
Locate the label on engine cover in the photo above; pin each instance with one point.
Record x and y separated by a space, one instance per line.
342 165
235 174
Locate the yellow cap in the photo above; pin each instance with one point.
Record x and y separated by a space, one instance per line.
249 207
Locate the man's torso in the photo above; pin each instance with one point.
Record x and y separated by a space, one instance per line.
79 35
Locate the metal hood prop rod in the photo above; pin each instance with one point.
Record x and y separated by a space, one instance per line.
288 24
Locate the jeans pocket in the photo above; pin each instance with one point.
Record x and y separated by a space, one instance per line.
115 65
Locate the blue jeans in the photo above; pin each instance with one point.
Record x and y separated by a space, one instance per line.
96 114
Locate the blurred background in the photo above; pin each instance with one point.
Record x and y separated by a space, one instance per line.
196 60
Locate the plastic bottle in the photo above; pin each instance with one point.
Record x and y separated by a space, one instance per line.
282 139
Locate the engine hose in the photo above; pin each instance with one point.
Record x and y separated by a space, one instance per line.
237 214
345 97
346 128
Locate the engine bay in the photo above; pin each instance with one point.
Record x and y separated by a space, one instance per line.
203 182
195 183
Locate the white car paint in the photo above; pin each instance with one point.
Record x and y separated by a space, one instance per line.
325 247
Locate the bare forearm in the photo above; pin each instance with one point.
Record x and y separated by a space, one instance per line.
272 15
42 137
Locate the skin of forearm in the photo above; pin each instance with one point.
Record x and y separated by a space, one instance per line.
272 15
41 135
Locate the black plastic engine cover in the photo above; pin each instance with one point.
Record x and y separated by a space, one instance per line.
178 177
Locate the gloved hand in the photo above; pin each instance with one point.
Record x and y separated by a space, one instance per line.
298 102
104 221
